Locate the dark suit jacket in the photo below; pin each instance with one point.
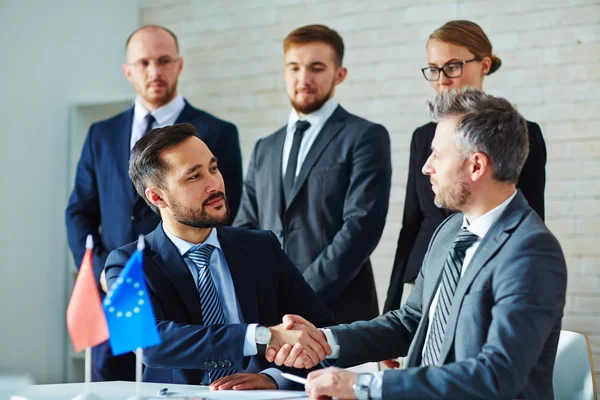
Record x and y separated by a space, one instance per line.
421 216
104 196
504 323
267 286
337 210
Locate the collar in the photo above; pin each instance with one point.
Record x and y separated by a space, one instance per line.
482 225
184 246
161 114
317 118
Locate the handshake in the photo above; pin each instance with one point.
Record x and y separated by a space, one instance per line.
297 343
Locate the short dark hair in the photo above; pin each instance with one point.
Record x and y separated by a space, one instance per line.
151 26
316 33
145 165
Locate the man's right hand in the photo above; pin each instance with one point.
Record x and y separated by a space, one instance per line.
103 282
297 343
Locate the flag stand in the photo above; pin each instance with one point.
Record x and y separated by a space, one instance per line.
87 394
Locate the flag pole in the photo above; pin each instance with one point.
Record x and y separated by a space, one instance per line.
139 355
87 393
88 369
139 352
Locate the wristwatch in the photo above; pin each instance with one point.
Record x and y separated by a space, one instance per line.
361 386
263 337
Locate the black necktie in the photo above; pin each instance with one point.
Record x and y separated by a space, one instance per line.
450 277
149 118
290 172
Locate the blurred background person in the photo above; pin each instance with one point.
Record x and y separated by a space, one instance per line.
459 54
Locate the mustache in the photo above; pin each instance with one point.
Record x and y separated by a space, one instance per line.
214 196
159 81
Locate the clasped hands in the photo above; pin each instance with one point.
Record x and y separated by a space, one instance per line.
297 343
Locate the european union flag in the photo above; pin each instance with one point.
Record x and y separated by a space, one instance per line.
128 309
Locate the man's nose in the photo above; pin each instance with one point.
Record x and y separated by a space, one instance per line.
427 169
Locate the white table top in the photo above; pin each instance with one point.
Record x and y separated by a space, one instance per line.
123 390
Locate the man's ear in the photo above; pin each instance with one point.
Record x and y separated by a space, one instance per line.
156 196
479 165
340 75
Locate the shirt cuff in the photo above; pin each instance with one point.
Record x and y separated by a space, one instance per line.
275 374
250 348
376 386
333 343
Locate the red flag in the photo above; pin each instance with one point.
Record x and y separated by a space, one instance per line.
85 317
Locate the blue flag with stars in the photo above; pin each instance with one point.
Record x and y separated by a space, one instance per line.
128 309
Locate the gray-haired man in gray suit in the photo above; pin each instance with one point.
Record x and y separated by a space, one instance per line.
484 318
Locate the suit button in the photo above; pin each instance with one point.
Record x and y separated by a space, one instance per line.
207 364
213 364
227 363
221 364
133 217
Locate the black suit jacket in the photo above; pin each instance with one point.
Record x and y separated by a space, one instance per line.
337 210
267 286
104 196
422 217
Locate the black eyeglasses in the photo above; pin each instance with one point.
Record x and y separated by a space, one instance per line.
451 70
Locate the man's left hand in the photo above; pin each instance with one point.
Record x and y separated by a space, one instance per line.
244 381
331 382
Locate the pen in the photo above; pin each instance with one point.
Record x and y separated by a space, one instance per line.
294 378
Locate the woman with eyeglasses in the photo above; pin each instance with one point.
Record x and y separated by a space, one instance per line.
459 54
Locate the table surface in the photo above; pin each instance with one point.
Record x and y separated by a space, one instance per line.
124 390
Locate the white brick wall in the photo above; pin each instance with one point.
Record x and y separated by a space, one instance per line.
550 51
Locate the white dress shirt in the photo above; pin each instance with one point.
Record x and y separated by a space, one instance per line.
479 227
164 116
316 119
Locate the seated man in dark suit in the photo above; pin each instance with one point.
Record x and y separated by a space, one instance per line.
484 319
215 290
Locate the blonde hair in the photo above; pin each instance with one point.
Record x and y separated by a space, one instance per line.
470 35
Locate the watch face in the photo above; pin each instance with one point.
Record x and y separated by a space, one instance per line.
263 335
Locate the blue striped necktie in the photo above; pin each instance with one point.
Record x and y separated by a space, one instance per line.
450 277
212 311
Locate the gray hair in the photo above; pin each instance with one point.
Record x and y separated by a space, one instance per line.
486 124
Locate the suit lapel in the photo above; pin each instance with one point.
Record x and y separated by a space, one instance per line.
276 160
332 127
489 246
240 270
123 150
171 263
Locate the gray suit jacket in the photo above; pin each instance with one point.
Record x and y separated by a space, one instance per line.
503 327
336 213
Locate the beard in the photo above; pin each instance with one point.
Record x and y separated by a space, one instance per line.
454 196
198 217
316 104
162 99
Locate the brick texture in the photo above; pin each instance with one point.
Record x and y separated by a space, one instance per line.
550 52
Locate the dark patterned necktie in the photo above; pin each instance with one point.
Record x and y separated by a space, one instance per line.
450 277
212 311
150 120
290 171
